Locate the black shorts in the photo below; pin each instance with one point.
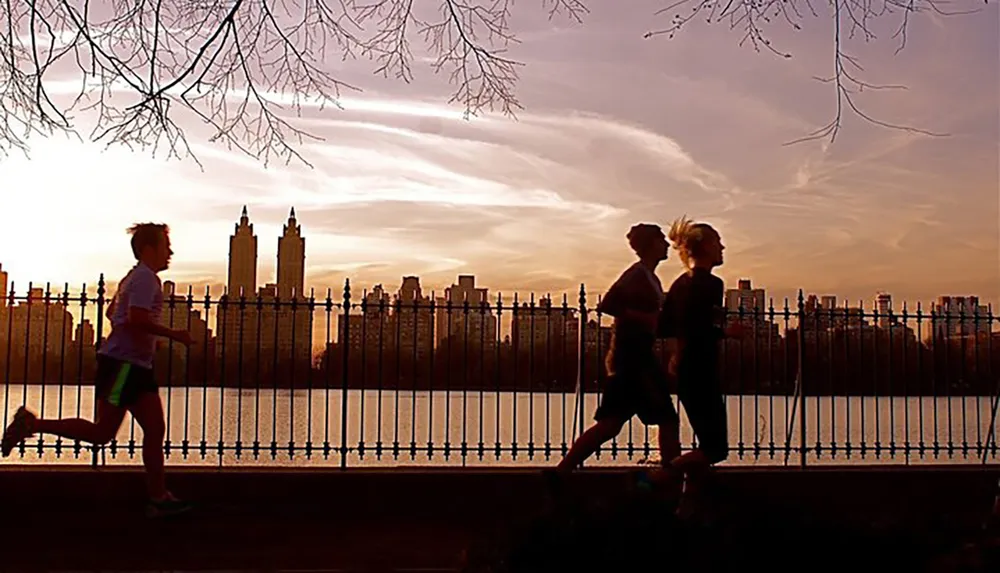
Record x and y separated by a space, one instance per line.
121 383
699 391
639 387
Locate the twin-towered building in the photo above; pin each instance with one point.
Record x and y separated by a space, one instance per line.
269 328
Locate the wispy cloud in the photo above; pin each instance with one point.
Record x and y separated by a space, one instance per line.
615 130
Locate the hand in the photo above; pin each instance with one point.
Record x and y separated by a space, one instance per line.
672 364
182 337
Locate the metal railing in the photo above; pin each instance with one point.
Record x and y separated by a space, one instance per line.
367 379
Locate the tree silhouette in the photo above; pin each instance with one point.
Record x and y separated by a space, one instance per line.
237 64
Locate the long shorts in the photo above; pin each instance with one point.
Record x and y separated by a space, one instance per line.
637 387
122 383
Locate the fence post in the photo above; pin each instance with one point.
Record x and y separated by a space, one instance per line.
581 357
98 335
345 349
802 381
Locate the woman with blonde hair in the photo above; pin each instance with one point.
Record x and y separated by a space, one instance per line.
695 318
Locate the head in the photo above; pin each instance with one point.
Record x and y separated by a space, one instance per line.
151 245
648 242
698 244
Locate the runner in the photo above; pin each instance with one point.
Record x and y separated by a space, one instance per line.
636 383
695 318
124 380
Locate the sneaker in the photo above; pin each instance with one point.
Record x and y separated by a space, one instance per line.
167 506
20 429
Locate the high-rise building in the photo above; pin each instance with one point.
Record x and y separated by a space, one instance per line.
243 259
3 304
828 301
746 300
545 325
3 287
823 313
464 313
960 316
86 336
372 329
269 329
291 260
748 306
883 307
413 318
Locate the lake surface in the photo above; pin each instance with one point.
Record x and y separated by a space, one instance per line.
291 428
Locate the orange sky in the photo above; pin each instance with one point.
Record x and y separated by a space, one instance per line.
616 130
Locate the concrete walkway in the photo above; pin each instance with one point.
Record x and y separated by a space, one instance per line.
406 519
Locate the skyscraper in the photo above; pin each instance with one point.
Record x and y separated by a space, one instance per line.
3 287
883 306
291 260
243 259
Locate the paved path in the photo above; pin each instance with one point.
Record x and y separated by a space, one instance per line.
396 520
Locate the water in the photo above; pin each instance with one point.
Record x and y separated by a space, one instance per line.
299 423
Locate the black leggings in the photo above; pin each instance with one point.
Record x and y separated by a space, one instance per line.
699 391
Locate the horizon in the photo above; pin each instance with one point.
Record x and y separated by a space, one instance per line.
616 130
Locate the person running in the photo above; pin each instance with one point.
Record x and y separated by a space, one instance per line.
695 319
124 379
636 383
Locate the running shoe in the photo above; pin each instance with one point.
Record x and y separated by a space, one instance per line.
20 429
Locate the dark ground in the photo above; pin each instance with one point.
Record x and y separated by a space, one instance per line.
638 532
497 520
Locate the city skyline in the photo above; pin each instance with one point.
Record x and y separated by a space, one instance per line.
243 270
616 129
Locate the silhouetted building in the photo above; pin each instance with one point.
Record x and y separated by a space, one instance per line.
3 303
544 324
827 315
242 259
883 310
371 329
291 260
3 287
464 313
748 306
266 332
41 335
414 319
960 316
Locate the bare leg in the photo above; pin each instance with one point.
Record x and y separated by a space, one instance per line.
670 443
100 431
148 412
589 442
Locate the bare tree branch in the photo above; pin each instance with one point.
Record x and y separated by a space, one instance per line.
850 19
239 66
242 67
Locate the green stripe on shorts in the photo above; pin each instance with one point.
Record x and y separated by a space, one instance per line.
115 396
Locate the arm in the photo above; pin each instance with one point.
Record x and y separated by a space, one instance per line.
139 318
613 303
142 292
110 312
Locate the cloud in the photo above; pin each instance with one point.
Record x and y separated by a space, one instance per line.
615 130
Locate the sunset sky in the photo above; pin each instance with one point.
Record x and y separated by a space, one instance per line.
616 130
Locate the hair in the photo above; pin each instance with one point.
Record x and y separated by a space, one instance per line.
146 235
687 236
641 235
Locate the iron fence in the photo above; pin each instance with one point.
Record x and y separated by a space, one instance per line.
367 378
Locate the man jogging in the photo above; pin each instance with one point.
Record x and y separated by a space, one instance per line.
124 379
